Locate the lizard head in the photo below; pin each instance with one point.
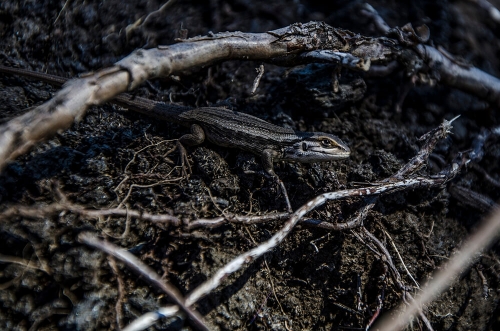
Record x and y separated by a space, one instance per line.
317 147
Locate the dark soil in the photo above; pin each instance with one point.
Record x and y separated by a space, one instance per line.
315 280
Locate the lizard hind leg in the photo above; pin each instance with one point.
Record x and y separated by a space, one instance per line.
186 167
196 137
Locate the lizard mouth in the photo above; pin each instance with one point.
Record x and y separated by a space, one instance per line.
322 155
315 153
320 147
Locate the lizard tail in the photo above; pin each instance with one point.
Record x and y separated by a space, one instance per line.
151 108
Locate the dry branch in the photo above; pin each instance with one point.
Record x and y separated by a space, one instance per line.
291 45
148 319
288 46
244 219
148 273
275 240
282 45
489 9
439 63
57 208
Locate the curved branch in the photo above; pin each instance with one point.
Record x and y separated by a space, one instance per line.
253 254
447 70
465 78
282 45
291 45
148 273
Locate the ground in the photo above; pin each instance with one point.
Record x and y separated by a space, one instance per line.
316 279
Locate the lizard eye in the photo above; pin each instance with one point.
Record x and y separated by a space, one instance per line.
326 143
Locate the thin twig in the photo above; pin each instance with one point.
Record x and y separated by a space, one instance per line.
148 319
56 208
141 22
430 139
121 292
62 9
20 261
401 259
388 258
256 82
229 218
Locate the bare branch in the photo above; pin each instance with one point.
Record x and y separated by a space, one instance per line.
148 319
280 46
56 208
292 45
446 69
256 82
465 78
491 10
149 274
218 221
368 11
430 140
275 240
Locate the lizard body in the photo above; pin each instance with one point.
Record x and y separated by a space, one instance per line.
229 128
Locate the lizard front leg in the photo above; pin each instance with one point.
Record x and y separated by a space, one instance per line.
196 137
267 157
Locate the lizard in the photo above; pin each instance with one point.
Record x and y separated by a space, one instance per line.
229 128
